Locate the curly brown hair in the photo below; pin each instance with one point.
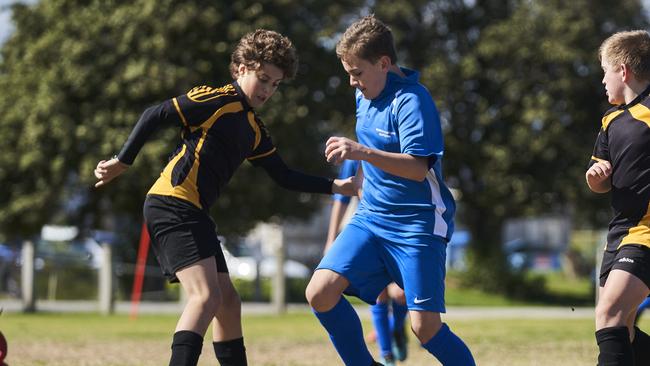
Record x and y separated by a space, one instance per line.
368 39
265 46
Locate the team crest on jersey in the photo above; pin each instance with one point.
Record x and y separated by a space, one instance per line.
206 93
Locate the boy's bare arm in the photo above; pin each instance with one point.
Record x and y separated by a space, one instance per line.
403 165
336 217
598 177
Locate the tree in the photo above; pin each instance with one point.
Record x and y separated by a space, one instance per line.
79 73
518 87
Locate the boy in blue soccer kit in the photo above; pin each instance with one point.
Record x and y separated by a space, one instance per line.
405 217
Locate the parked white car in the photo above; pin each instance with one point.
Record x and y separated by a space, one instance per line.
246 267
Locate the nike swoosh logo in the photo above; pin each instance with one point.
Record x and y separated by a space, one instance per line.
420 301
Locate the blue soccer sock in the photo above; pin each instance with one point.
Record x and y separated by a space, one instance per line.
449 349
399 316
382 327
344 328
400 348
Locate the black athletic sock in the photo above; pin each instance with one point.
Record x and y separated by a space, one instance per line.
615 347
186 348
230 353
641 347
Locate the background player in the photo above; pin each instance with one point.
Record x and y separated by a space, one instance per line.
389 312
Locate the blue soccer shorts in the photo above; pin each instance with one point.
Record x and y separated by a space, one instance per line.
370 261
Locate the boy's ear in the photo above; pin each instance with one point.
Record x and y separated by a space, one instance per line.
384 63
241 69
626 73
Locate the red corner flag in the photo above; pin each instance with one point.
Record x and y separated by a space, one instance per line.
140 266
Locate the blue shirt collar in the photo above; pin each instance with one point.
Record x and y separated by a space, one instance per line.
394 81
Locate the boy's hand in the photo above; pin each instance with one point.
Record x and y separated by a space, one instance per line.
346 187
107 170
598 176
338 149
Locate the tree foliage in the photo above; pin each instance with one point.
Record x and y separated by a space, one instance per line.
517 84
79 73
518 87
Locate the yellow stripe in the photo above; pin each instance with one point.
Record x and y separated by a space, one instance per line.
186 191
262 155
233 107
197 93
639 234
256 128
195 97
641 113
597 159
608 118
180 113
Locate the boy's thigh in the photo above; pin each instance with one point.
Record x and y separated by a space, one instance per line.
420 271
356 255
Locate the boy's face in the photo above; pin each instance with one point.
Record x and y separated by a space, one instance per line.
259 85
614 84
368 77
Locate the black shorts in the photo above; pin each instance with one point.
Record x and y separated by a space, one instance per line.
181 234
631 258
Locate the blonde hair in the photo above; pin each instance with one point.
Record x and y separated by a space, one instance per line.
631 48
369 39
265 46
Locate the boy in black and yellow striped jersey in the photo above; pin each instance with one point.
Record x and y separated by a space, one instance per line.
620 164
220 130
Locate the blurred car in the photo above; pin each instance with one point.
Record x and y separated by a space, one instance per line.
62 246
523 255
246 267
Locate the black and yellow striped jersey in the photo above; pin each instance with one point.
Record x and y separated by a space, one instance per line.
624 141
219 131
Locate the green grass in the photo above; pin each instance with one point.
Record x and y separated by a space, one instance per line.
293 339
561 290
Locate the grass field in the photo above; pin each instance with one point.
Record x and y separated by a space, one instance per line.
293 339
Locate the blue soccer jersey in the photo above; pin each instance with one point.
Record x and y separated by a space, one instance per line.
404 119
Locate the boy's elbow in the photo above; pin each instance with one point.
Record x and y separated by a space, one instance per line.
599 188
422 171
419 176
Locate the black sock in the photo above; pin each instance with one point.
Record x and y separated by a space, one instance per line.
615 347
186 348
641 346
230 353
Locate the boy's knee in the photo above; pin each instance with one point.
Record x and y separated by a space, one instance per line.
231 299
313 294
320 298
425 328
609 314
209 301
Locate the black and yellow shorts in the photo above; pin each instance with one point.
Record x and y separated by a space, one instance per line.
631 258
181 234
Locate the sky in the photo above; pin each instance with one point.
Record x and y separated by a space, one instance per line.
6 27
5 17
